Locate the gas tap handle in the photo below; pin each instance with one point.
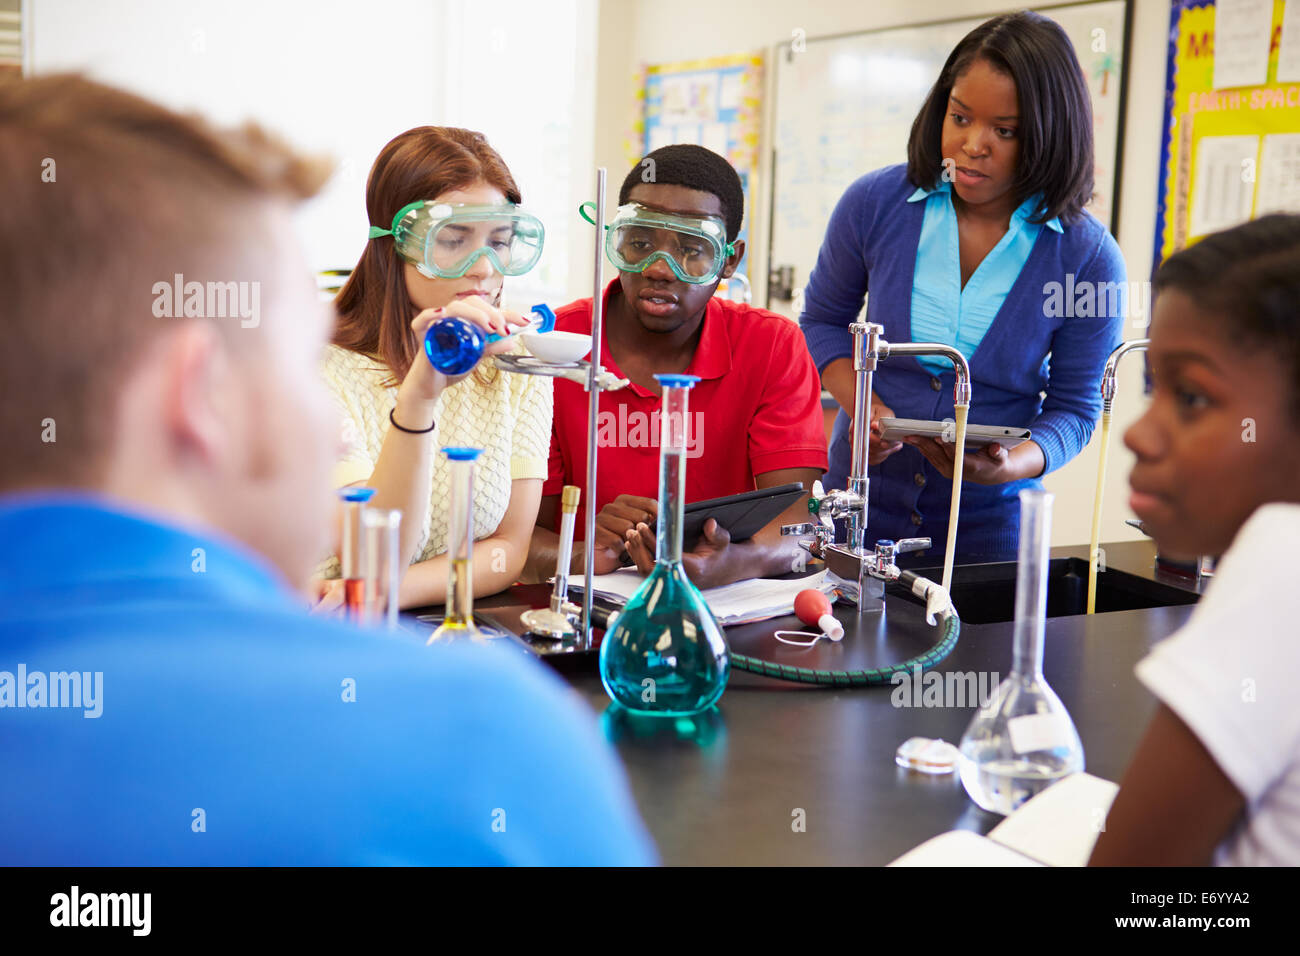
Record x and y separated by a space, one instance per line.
799 529
911 544
818 530
888 549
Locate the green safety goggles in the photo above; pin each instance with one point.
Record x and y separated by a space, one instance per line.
694 248
443 240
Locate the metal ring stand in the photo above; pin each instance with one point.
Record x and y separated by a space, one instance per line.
595 379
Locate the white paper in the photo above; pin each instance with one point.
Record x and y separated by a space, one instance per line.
687 133
1241 41
1033 732
1288 54
689 98
714 136
1222 189
1279 173
962 848
1060 826
743 602
729 95
660 135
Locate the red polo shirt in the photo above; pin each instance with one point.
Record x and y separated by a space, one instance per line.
757 408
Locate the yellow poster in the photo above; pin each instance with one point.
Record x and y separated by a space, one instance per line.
1230 153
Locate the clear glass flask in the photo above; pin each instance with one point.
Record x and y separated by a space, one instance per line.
351 550
381 536
666 655
459 619
1023 740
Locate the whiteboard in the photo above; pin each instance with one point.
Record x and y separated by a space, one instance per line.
845 105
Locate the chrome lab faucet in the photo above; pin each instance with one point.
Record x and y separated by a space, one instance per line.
1204 566
1112 367
850 560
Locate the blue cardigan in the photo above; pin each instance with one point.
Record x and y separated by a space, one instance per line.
1038 366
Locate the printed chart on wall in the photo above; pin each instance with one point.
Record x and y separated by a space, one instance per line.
845 105
1231 149
714 103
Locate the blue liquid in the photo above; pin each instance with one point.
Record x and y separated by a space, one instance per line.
666 654
453 345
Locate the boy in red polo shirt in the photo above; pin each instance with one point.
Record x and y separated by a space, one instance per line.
756 418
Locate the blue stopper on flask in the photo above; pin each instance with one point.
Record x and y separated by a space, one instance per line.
541 311
457 453
677 381
356 494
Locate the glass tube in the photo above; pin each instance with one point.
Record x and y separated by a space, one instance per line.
1031 583
673 439
569 498
381 547
350 550
459 619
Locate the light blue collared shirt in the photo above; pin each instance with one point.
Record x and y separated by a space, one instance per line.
943 311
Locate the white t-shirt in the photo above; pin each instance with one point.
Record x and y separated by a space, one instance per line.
1232 674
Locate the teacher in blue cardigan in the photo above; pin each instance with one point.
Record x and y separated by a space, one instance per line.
979 241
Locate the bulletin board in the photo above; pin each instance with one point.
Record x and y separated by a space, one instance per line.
845 106
715 103
1231 139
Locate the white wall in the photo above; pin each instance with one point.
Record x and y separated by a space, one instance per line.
635 32
342 78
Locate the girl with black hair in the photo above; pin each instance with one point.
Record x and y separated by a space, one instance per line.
970 244
1216 778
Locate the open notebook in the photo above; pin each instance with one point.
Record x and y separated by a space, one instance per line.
756 599
1056 828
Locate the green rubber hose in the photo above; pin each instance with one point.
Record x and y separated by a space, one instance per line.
879 675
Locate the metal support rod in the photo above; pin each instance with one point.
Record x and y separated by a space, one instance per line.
866 337
593 405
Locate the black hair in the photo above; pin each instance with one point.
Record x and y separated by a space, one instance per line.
695 168
1055 126
1249 276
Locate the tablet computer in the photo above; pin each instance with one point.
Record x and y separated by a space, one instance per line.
743 515
977 436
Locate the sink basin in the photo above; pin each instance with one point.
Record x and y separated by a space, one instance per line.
986 593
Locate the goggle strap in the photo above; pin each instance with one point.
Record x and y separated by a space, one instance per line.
376 232
589 216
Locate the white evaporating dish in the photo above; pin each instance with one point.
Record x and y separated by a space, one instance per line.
557 346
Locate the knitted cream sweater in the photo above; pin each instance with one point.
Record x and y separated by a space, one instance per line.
510 419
